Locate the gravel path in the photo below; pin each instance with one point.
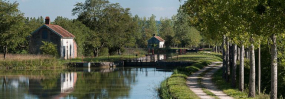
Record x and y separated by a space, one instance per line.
192 82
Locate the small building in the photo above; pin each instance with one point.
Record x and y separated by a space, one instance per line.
66 45
155 42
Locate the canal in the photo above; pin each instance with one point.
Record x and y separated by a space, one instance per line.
94 83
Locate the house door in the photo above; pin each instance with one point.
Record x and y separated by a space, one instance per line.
63 52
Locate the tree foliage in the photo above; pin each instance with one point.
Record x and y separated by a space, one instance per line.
113 23
11 23
185 34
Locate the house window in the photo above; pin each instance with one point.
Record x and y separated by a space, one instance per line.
45 34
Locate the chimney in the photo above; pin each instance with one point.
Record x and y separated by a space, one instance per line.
153 35
47 21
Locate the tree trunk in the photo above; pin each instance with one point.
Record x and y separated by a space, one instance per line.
252 72
97 52
94 52
5 51
238 53
119 51
216 49
241 69
227 61
259 69
273 94
224 57
234 66
244 53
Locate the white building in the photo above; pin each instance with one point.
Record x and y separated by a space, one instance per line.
155 42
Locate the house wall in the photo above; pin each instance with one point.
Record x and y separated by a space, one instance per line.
152 41
67 53
161 44
75 48
37 38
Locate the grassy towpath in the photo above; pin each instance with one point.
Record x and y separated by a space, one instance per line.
175 87
201 83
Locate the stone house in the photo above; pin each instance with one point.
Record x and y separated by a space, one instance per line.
155 42
64 40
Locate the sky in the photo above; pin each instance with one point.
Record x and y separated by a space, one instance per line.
54 8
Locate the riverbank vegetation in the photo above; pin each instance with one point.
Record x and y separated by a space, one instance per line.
175 86
22 61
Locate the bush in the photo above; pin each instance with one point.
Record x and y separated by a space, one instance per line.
48 48
22 52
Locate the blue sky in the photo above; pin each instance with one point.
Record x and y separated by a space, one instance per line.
54 8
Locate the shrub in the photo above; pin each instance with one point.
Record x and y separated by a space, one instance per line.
48 48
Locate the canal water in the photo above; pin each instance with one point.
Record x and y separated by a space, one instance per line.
95 83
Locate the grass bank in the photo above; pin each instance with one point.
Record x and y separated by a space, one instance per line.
51 63
26 61
196 57
234 92
175 86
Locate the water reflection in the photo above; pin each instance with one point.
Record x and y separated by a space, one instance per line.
95 83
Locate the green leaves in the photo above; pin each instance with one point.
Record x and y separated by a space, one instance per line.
11 25
48 48
187 35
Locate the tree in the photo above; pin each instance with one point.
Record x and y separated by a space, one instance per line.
107 20
11 23
187 35
166 31
92 44
138 30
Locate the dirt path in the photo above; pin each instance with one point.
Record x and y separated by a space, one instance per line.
192 82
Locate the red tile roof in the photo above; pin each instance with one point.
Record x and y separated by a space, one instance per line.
159 38
61 31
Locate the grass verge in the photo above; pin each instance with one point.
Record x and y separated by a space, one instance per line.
175 86
233 92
